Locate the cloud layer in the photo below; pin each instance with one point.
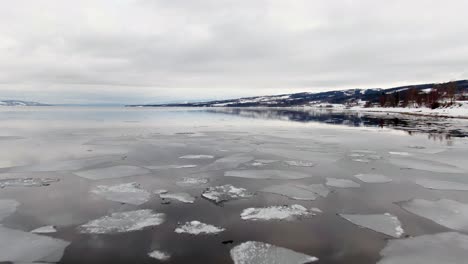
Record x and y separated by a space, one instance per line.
137 51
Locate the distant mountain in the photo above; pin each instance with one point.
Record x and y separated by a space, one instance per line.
302 99
19 103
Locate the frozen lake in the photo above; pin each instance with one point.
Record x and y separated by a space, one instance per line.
142 185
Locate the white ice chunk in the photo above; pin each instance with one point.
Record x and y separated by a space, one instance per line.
7 207
20 246
298 191
26 182
130 193
383 223
373 178
123 222
449 247
181 197
159 255
197 228
197 157
397 153
226 192
342 183
362 160
266 174
189 181
112 172
285 212
45 230
441 185
166 167
253 252
300 163
161 191
448 213
229 162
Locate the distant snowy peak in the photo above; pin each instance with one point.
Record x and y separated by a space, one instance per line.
19 103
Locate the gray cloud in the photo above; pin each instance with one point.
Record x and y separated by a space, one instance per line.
158 50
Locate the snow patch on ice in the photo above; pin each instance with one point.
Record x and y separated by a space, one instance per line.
342 183
285 212
253 252
181 197
226 192
197 228
130 193
383 223
373 178
123 222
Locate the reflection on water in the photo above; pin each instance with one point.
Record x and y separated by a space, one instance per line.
438 128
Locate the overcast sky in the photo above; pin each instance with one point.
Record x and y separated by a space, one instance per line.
143 51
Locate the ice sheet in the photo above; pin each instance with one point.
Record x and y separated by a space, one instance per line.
267 174
448 213
112 172
45 230
284 212
298 191
342 183
198 228
181 197
300 163
130 193
253 252
383 223
441 185
425 165
159 255
123 222
189 181
229 162
450 247
373 178
196 157
166 167
7 207
226 192
26 182
19 246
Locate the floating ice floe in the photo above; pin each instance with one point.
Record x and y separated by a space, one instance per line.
181 197
159 255
197 228
67 165
19 246
342 183
284 212
224 193
266 174
441 185
365 151
373 178
160 191
166 167
425 165
397 153
7 207
362 160
383 223
260 163
123 222
229 162
130 193
300 163
196 157
45 230
253 252
188 181
112 172
449 247
26 182
299 191
448 213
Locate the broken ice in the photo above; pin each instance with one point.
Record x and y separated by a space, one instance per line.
373 178
188 181
298 191
165 167
300 163
229 162
19 246
285 212
130 193
449 247
197 228
44 230
112 172
225 193
448 213
441 185
123 222
383 223
426 165
7 207
266 174
26 182
181 197
342 183
197 157
253 252
159 255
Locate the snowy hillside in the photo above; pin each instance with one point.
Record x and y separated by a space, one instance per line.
19 103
